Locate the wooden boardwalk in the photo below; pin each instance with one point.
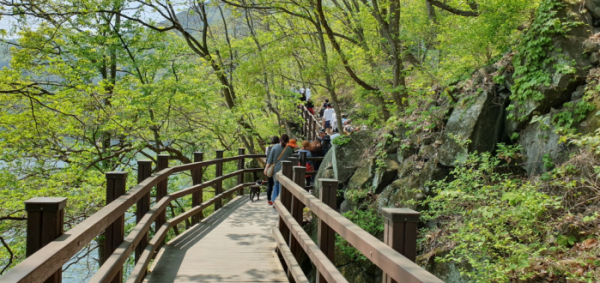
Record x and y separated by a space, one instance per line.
234 244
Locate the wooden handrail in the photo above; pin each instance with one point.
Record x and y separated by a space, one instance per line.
54 255
44 262
394 264
288 257
324 265
115 261
310 115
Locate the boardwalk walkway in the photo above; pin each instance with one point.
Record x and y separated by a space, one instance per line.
235 244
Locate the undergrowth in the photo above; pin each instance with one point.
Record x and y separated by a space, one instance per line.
501 228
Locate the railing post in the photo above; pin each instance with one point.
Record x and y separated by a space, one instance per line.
219 184
197 198
400 233
326 235
297 209
311 129
302 158
161 191
114 234
294 159
143 205
285 197
45 221
286 170
241 161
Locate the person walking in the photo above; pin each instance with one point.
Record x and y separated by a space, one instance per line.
310 106
306 147
270 180
278 153
323 107
328 116
325 141
302 94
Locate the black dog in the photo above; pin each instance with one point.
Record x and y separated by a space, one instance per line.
255 189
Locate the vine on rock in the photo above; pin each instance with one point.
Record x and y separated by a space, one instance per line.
532 58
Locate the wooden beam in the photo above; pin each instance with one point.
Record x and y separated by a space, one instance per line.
390 261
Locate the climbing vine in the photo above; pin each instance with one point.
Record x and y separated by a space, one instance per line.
532 59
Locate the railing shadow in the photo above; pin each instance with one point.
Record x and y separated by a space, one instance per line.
180 261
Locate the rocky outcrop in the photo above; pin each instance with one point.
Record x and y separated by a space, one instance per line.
478 119
341 162
541 145
412 185
385 175
567 50
346 158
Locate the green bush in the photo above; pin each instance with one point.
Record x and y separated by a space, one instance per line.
369 220
495 226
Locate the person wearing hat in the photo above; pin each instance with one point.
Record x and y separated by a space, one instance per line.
292 144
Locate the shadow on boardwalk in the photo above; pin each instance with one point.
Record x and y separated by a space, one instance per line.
232 245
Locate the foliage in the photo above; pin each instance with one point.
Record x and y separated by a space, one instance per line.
496 225
369 220
341 140
509 152
532 58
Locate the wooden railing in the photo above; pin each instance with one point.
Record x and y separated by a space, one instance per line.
395 256
311 126
48 248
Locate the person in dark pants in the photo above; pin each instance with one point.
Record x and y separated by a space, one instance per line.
271 181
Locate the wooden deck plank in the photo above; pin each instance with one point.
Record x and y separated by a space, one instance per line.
233 245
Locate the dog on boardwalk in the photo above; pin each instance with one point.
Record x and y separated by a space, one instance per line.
255 189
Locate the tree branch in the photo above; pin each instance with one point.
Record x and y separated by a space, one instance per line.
455 11
10 260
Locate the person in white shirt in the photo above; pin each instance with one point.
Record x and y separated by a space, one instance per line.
307 93
327 116
334 121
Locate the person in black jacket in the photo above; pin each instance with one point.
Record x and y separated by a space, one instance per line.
323 107
310 106
325 140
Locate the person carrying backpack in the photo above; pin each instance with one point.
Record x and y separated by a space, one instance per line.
310 106
325 140
278 153
306 147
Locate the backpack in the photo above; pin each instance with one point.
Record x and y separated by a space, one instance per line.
325 144
309 168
